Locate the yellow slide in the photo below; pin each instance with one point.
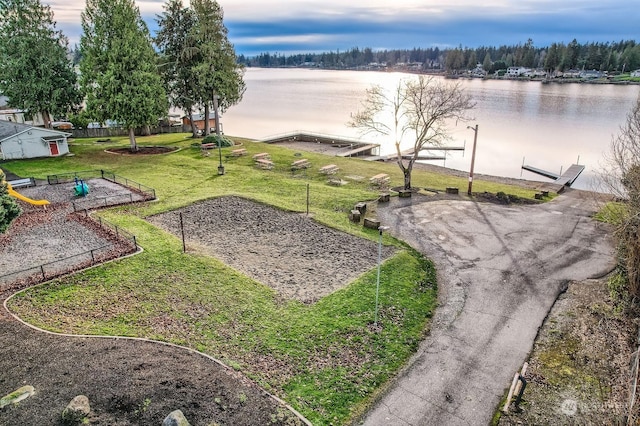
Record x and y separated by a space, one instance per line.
25 199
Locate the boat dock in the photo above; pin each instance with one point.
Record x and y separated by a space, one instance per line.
566 179
326 144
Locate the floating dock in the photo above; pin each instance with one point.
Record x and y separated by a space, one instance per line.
566 179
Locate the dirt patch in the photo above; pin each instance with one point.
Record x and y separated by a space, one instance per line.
286 251
127 382
579 369
143 150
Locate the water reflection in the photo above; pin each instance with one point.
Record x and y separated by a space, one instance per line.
550 125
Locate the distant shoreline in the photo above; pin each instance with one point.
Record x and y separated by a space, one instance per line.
543 80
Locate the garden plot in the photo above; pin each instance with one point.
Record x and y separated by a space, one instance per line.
289 252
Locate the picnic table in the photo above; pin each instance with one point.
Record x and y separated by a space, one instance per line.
264 164
300 164
262 156
329 169
381 179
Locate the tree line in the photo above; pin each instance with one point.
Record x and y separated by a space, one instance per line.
622 56
125 74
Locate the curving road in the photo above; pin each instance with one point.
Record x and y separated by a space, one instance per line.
500 269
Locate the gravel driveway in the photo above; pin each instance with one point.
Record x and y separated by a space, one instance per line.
500 269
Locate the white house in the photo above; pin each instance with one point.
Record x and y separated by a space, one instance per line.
19 141
517 71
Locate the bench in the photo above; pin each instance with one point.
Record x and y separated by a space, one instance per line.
329 169
262 156
264 164
22 183
380 180
238 152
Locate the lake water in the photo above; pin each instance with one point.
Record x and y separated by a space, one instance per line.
550 126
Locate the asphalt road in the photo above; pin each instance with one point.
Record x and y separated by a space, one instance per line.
500 269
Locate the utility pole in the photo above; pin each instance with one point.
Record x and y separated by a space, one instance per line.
473 156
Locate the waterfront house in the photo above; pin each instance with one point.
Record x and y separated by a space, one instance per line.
517 71
635 73
18 141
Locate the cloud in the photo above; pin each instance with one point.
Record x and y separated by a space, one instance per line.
301 26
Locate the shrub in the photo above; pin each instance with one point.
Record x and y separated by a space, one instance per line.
224 141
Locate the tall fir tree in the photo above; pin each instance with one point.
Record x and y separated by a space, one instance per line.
119 66
177 60
35 72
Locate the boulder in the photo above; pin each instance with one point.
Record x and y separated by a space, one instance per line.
371 223
383 198
76 411
175 418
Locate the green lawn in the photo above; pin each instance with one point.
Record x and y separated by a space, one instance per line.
324 359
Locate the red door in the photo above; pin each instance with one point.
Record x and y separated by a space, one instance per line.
53 147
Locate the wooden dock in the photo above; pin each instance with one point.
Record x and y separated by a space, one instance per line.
560 181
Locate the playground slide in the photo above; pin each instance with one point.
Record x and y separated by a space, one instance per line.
25 199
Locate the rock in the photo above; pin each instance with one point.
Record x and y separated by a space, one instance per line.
355 216
175 418
76 411
451 190
17 396
383 198
371 223
361 207
538 196
404 193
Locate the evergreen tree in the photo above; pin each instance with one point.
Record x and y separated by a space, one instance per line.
218 72
177 60
35 73
9 209
118 66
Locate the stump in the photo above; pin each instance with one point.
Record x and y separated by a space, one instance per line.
371 223
355 216
361 207
383 198
452 190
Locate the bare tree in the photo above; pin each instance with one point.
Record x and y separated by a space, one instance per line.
422 107
621 177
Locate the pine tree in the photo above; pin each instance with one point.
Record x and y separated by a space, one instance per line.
119 66
35 73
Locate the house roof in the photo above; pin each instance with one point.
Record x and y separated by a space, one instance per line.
9 129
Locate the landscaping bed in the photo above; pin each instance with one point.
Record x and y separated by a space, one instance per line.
286 251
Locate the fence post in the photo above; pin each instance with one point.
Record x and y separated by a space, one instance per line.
135 242
93 259
44 277
184 247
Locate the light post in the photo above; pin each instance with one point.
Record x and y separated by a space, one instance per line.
473 156
215 108
380 230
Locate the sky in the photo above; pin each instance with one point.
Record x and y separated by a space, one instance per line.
309 26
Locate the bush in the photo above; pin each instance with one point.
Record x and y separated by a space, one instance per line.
224 141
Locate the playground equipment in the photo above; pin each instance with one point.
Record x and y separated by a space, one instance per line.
19 196
81 189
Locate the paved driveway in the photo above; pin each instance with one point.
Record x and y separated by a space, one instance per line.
500 269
